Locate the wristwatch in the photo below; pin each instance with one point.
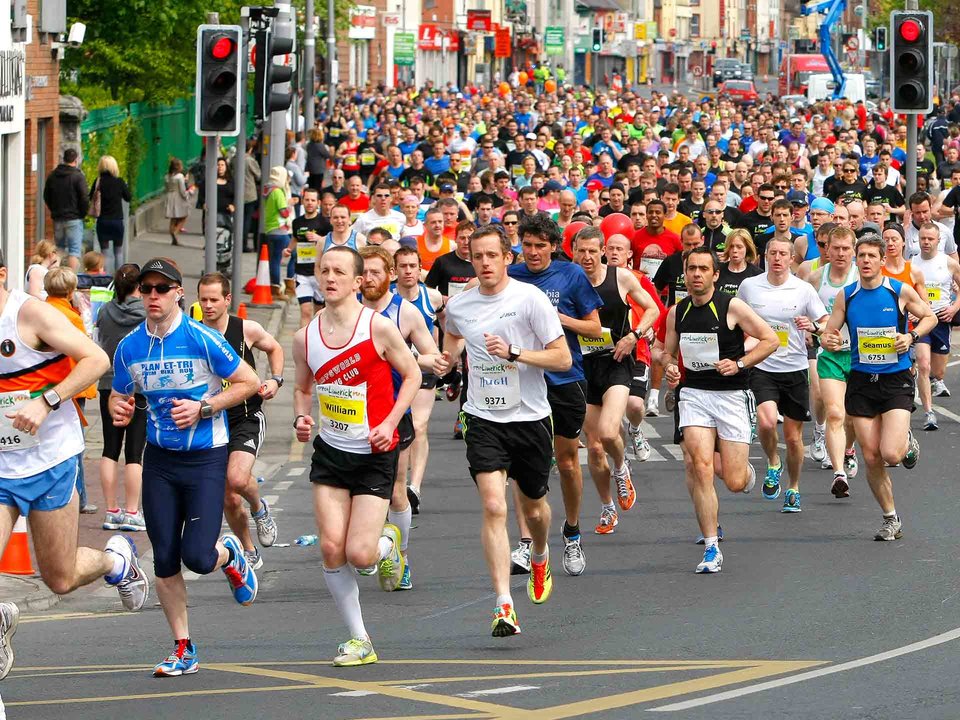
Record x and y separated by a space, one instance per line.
740 365
51 398
914 337
206 410
277 379
513 352
636 333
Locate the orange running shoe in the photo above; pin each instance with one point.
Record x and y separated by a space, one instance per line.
608 521
626 494
540 582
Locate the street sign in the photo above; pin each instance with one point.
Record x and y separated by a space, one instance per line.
479 20
554 42
501 48
404 48
390 19
697 71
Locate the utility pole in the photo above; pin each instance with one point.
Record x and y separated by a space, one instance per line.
309 66
240 161
911 170
332 65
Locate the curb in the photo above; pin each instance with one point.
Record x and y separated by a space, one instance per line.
37 597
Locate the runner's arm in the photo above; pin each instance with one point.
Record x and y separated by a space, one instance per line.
588 325
421 338
640 296
394 350
303 384
920 309
243 384
555 355
260 339
55 331
948 313
669 356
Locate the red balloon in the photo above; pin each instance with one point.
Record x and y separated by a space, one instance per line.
568 233
616 224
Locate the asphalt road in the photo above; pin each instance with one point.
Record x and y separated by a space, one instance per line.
800 598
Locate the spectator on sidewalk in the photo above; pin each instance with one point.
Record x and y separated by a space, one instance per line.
44 257
251 195
61 285
278 217
113 192
318 155
65 194
118 318
178 198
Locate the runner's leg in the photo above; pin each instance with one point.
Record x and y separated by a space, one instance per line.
596 456
493 534
793 439
567 453
63 566
697 446
869 432
923 375
767 432
833 392
241 485
422 408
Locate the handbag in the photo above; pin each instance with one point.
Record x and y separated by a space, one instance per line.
95 201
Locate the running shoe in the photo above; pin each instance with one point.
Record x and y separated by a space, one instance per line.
89 509
840 487
851 466
652 410
913 452
458 430
266 525
608 522
131 583
819 450
574 559
701 539
891 529
133 522
751 479
405 582
826 463
938 388
413 497
641 448
791 502
182 661
9 619
670 400
540 583
239 573
930 421
626 494
355 651
505 621
112 520
254 558
771 483
520 559
390 568
712 560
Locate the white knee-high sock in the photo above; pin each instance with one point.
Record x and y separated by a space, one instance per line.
402 520
342 584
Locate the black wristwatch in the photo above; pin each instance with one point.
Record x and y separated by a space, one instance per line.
296 420
206 410
277 379
740 365
637 334
914 337
51 398
513 352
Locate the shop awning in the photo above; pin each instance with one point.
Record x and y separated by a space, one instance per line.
587 5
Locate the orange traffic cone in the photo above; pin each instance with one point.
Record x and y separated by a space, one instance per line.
262 294
242 311
16 558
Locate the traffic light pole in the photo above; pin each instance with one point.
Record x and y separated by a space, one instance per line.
911 166
212 145
309 65
240 165
331 55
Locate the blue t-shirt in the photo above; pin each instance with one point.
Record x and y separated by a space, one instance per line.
571 293
189 363
873 318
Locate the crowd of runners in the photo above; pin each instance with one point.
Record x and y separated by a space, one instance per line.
562 266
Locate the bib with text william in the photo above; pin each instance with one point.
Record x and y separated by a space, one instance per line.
343 410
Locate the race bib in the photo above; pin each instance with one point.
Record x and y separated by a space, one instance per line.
679 295
700 351
343 411
517 171
933 294
590 345
876 345
335 132
455 288
497 386
650 265
368 158
306 252
350 159
11 439
782 331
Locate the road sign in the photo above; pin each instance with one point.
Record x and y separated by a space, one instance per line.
554 42
501 48
697 71
404 48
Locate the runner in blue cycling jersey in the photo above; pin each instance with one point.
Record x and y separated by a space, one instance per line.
179 366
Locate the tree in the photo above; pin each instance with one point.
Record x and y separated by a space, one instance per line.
946 19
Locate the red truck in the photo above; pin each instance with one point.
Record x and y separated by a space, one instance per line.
795 69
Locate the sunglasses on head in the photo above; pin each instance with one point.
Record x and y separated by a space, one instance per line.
161 288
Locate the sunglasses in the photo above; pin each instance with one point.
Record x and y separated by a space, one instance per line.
766 197
821 244
162 288
510 222
713 212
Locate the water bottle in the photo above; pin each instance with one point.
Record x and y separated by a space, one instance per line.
307 540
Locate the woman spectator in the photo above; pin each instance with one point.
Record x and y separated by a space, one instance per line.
298 179
113 192
178 198
44 257
61 286
318 155
117 318
278 218
225 206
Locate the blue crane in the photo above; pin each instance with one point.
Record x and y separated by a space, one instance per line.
833 10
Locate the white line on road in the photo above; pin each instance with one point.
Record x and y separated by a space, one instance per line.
498 691
943 411
354 693
271 499
296 471
812 674
283 485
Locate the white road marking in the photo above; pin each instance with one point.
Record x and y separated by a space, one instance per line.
812 674
354 693
654 456
271 500
649 431
674 451
283 485
498 691
296 471
946 413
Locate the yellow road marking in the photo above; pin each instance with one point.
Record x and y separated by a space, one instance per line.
471 716
161 695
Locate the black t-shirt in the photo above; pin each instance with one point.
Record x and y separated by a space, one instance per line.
856 190
515 157
410 173
756 224
729 281
669 277
952 200
301 226
691 209
367 154
608 210
887 195
629 158
447 269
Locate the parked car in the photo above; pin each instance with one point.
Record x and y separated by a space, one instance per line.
725 69
872 84
743 91
746 71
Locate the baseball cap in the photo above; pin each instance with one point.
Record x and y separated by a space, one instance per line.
797 197
501 173
594 185
822 203
655 108
552 185
447 187
531 136
161 266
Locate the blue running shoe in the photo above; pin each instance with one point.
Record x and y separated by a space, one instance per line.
182 661
791 502
240 574
712 560
771 483
405 582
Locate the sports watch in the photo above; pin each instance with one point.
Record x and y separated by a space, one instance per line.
513 352
51 398
740 365
278 379
206 410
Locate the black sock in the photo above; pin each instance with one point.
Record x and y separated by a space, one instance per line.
526 541
231 556
570 531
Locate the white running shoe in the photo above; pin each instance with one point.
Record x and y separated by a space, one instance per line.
132 584
751 480
520 559
574 559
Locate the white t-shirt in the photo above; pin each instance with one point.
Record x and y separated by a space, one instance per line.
499 390
778 305
912 245
392 222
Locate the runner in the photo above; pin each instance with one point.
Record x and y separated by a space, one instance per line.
576 303
833 368
880 391
179 365
45 358
739 262
941 273
246 420
375 290
346 354
608 366
780 382
308 231
512 334
705 332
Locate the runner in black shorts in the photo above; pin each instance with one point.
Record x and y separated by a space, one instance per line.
248 424
512 335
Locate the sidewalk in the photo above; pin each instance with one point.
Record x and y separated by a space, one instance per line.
29 592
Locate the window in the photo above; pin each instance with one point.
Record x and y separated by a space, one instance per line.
695 25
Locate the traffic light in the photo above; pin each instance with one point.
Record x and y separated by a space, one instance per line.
880 39
267 97
911 62
218 85
598 39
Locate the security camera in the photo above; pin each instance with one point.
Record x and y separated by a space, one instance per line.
77 32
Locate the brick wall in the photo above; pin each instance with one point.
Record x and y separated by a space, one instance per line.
376 48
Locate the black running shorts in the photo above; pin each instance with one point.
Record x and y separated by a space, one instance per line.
370 474
870 395
523 449
568 408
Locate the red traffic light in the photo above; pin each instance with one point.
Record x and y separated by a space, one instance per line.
222 48
910 30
